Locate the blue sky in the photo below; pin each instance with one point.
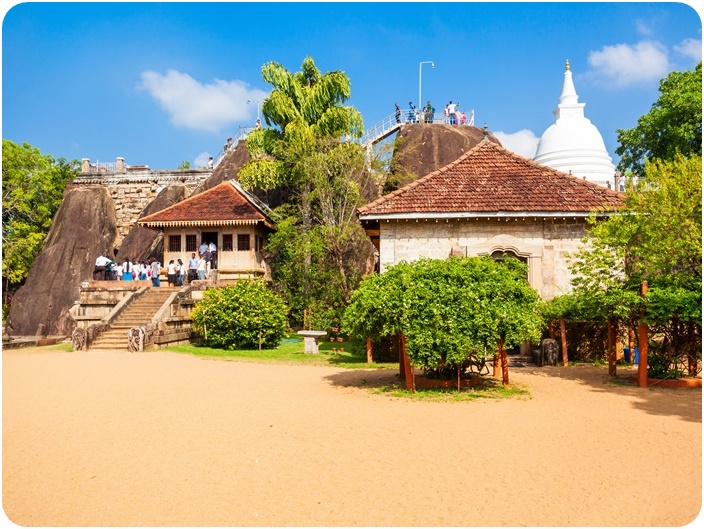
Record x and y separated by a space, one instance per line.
160 83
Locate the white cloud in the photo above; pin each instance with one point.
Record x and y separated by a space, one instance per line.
690 48
623 64
523 142
202 160
194 105
644 28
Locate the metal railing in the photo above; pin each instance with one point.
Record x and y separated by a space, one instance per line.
239 135
104 167
393 122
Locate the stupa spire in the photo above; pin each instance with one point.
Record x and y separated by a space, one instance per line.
569 94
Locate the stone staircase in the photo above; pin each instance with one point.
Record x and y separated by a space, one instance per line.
138 312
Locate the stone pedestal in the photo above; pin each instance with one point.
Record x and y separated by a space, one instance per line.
310 340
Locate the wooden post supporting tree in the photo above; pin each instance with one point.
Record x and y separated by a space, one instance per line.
643 344
504 363
552 329
497 359
611 347
563 338
370 350
410 382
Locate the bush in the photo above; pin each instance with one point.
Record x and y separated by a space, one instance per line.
243 316
450 311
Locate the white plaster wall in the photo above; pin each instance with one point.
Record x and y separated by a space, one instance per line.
544 242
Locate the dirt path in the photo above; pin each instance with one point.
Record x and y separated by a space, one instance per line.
163 439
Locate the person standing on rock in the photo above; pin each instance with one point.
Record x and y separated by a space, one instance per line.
192 267
127 270
179 272
156 272
171 273
213 255
201 268
99 270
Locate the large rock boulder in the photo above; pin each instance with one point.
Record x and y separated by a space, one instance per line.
142 243
84 227
228 168
423 148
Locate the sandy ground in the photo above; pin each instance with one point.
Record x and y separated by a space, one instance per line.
163 439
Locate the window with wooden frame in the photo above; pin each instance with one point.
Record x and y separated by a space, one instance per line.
174 243
191 245
243 243
226 242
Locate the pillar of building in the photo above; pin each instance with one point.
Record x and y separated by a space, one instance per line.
85 165
120 165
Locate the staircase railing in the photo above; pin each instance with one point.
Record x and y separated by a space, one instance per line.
239 135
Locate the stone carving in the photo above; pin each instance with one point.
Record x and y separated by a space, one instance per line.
79 339
135 340
549 351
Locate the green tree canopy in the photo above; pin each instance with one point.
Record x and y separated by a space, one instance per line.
673 125
243 316
303 107
32 190
448 310
656 237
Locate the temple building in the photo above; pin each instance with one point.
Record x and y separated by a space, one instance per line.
492 202
229 217
573 144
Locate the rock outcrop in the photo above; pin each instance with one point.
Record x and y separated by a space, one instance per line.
423 148
142 243
84 227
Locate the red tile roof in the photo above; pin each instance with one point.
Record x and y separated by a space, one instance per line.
491 179
224 204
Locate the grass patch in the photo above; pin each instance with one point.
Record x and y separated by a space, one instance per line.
488 389
289 352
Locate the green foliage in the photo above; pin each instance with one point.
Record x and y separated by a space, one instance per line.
32 190
656 237
241 316
448 310
673 125
302 109
184 165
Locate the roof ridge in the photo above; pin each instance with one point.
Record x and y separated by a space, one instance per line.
421 180
182 202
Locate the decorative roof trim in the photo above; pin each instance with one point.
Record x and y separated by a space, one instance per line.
177 223
483 215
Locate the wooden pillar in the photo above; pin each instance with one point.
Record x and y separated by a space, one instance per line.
617 341
370 350
552 329
631 342
410 383
504 363
563 338
401 359
643 344
497 359
611 347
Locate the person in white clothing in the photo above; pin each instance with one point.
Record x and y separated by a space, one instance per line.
171 273
201 268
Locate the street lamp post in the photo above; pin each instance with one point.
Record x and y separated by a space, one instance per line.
420 81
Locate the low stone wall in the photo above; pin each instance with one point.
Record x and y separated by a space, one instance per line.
99 298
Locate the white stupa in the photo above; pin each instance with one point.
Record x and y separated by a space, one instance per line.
573 144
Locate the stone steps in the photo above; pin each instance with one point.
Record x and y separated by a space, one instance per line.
139 312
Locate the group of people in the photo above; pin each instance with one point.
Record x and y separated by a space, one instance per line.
453 116
107 269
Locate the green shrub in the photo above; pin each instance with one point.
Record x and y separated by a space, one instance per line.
243 316
448 310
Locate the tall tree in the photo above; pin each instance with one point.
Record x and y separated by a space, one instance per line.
32 189
305 151
674 124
